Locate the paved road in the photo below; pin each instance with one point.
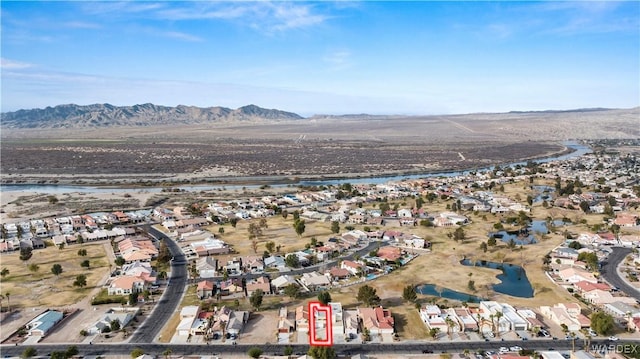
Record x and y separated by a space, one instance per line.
342 349
610 273
171 297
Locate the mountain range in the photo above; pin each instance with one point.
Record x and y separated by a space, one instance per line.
106 115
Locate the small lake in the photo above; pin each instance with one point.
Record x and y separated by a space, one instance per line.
432 289
513 280
526 236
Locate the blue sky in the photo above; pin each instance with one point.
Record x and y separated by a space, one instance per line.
323 57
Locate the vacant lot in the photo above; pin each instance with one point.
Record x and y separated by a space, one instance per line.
29 287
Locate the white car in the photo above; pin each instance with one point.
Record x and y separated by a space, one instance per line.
515 348
613 338
503 350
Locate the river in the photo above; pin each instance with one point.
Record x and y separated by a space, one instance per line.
578 150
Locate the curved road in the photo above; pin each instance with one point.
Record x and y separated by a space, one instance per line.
171 297
609 271
341 349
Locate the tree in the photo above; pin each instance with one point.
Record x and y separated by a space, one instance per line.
56 269
29 352
25 253
491 242
4 272
471 285
459 235
221 230
234 222
271 246
324 297
584 206
254 352
255 231
292 261
82 252
433 332
299 226
8 296
34 267
602 323
114 325
52 199
119 261
450 324
136 352
167 352
318 352
590 258
61 246
368 295
484 247
575 245
81 281
256 299
288 350
335 227
292 291
85 264
409 293
164 255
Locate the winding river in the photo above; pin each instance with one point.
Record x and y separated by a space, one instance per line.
578 150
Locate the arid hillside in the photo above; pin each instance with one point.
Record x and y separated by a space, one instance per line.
302 148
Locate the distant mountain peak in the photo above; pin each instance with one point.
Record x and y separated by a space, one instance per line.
147 114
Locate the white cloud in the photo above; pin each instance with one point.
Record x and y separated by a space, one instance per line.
338 60
263 15
7 64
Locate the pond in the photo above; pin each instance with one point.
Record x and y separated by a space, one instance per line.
542 193
527 235
513 280
432 289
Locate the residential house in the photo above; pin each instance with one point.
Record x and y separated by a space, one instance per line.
261 283
206 289
337 319
602 297
575 275
567 314
123 317
377 320
276 262
43 323
231 287
126 285
254 264
464 318
339 273
433 318
302 319
314 281
389 253
354 268
583 287
286 321
188 316
207 267
282 281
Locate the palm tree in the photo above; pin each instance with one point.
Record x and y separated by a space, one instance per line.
450 325
493 323
498 315
167 353
8 295
573 341
1 299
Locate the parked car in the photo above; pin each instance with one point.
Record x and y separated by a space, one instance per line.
515 348
614 338
503 350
